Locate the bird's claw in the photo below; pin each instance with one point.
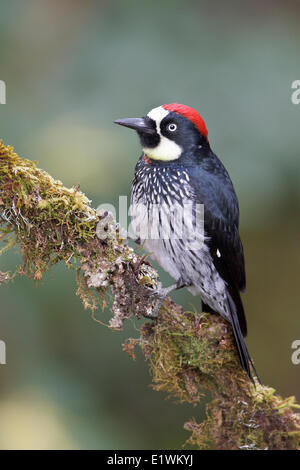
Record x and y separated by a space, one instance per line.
159 295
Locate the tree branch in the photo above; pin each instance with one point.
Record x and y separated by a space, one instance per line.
188 353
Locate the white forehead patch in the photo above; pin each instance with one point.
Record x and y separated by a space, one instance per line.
167 149
157 114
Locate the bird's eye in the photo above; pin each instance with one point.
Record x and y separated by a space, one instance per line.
172 127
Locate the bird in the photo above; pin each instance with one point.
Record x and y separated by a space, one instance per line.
178 169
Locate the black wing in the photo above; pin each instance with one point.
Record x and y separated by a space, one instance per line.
221 220
226 249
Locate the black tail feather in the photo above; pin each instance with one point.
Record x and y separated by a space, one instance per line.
244 356
237 301
243 353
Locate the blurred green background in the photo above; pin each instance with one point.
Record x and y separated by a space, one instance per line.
71 68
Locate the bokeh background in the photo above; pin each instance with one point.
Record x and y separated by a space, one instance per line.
71 68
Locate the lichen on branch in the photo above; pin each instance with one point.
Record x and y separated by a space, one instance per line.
189 353
51 223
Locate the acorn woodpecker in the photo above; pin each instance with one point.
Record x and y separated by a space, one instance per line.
178 169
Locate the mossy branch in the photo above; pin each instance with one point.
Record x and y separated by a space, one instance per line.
188 353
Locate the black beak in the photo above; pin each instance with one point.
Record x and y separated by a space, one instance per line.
142 125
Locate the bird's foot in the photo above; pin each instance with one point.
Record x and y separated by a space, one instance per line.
160 295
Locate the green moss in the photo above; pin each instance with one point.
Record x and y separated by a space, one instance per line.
51 224
189 354
62 217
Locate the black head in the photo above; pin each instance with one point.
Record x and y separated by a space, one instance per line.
170 132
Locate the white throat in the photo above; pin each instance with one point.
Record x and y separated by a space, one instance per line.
167 149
